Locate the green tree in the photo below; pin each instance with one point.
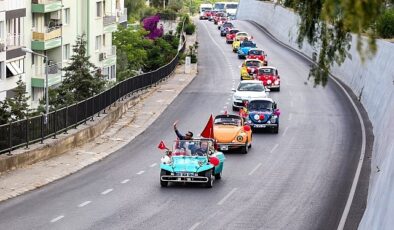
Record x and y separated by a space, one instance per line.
134 7
175 5
5 113
18 104
79 83
328 24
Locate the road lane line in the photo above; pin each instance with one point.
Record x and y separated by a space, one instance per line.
107 191
255 168
153 165
194 226
84 203
57 219
125 181
274 148
140 172
227 196
284 132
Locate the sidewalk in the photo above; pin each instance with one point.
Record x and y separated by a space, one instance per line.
134 121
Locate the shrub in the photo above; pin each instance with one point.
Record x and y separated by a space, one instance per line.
190 29
385 24
168 14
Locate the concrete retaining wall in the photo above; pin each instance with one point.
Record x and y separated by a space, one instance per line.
65 142
372 81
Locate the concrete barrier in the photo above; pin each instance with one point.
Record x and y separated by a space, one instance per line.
372 81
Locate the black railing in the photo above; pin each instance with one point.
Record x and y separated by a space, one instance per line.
24 132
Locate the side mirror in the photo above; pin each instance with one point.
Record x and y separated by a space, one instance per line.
233 89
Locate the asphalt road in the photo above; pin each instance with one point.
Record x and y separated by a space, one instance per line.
297 179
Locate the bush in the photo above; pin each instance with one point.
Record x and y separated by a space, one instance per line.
190 29
385 24
168 14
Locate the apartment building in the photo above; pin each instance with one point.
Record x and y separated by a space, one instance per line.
12 59
51 28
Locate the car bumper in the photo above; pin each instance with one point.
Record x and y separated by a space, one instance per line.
229 146
183 179
247 77
273 86
262 126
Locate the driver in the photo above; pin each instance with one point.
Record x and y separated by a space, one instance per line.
203 149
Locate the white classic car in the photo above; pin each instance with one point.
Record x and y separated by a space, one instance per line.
247 90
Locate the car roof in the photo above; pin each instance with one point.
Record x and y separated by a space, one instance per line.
261 99
266 67
257 49
251 81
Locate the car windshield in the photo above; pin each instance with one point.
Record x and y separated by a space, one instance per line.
254 87
219 6
207 10
260 105
253 63
266 71
248 44
256 52
220 14
192 147
231 6
227 24
228 121
233 31
242 34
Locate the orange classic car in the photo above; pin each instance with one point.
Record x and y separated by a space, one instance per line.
230 132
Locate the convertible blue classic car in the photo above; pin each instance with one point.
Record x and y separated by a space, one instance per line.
244 48
194 161
263 113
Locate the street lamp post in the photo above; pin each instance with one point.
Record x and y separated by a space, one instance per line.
27 50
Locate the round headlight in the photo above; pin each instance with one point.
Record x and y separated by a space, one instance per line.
269 82
256 117
240 138
277 82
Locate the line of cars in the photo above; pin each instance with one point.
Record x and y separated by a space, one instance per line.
202 160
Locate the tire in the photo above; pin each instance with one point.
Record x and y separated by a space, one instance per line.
244 149
227 42
279 89
276 129
163 183
218 176
209 183
235 108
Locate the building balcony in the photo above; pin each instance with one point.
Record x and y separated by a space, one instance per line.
47 40
122 16
45 6
54 75
108 56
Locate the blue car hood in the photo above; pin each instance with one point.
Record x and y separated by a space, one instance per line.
267 116
187 163
244 50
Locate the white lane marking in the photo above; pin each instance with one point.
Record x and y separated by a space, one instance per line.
153 165
227 196
140 172
84 203
255 168
125 181
360 162
57 219
290 117
284 132
229 99
107 191
274 148
194 226
214 41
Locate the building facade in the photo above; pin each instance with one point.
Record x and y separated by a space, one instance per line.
51 28
12 39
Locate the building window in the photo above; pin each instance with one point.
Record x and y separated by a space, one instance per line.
1 30
98 43
99 9
66 16
104 40
66 52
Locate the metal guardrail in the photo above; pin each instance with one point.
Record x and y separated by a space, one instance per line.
25 132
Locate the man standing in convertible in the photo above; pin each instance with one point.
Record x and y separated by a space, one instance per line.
187 136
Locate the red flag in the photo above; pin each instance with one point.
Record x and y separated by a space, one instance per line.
162 145
208 130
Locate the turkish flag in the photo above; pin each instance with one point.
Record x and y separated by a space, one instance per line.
208 130
162 145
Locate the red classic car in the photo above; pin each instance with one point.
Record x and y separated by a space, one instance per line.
217 17
206 14
257 54
269 76
231 35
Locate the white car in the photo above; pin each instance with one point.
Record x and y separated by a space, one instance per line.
246 90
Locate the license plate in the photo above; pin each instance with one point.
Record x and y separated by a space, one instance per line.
260 126
224 147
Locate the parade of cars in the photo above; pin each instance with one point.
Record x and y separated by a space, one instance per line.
200 160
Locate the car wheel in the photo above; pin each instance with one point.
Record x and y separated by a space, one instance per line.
163 183
275 129
244 149
279 89
239 57
209 183
218 176
235 108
